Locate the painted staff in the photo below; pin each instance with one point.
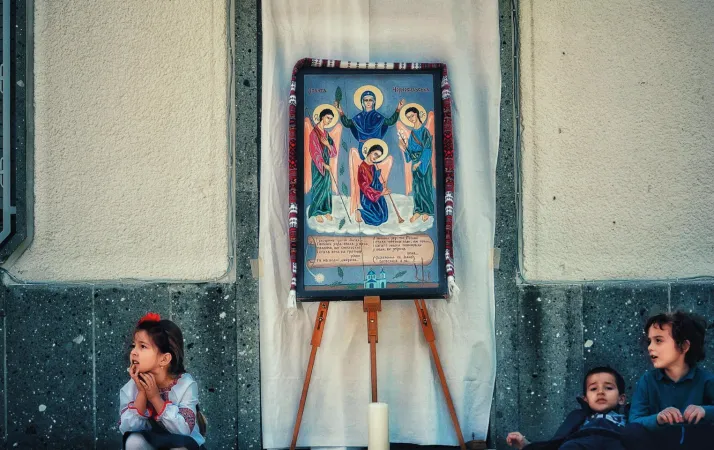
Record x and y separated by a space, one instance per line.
399 217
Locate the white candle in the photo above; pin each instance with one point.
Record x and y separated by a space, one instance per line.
378 428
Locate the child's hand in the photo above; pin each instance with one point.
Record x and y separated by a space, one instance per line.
134 374
694 413
150 387
669 415
517 440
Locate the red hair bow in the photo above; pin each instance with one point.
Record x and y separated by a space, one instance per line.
150 317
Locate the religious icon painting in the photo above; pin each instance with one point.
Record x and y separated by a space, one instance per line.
371 181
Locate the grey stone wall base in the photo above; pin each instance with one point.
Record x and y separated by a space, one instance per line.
66 358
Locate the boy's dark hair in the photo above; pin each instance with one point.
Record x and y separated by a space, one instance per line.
619 381
325 112
685 327
375 148
167 337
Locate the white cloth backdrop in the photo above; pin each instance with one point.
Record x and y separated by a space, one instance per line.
464 35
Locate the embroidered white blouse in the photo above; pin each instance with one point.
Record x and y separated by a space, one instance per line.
178 416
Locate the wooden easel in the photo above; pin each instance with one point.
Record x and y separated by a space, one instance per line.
372 305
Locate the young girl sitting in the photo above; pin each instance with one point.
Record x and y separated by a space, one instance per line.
675 400
159 404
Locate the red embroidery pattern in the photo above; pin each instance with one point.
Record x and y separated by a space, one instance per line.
448 148
164 391
170 386
189 417
128 407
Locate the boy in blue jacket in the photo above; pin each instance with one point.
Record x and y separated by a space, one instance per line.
675 400
597 425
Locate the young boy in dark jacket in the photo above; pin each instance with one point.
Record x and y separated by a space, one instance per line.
597 425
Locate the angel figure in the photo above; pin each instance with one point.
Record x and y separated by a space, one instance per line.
372 187
417 144
321 160
367 124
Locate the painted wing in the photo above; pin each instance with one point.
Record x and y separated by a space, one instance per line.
406 132
336 135
430 127
355 162
307 160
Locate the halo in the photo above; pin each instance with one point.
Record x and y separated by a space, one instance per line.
319 109
378 97
403 113
370 143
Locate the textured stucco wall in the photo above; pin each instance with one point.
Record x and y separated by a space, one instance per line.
131 148
617 100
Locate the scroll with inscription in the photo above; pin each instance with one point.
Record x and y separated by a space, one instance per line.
371 181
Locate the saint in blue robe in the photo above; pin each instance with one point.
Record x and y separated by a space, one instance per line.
419 151
368 124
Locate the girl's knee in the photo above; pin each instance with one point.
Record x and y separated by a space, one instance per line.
136 441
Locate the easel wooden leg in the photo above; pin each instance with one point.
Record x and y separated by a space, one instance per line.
431 338
372 305
315 342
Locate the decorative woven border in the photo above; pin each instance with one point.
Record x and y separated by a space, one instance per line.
448 148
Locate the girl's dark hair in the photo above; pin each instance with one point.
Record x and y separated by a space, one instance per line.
414 110
325 112
685 327
167 337
375 148
619 381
